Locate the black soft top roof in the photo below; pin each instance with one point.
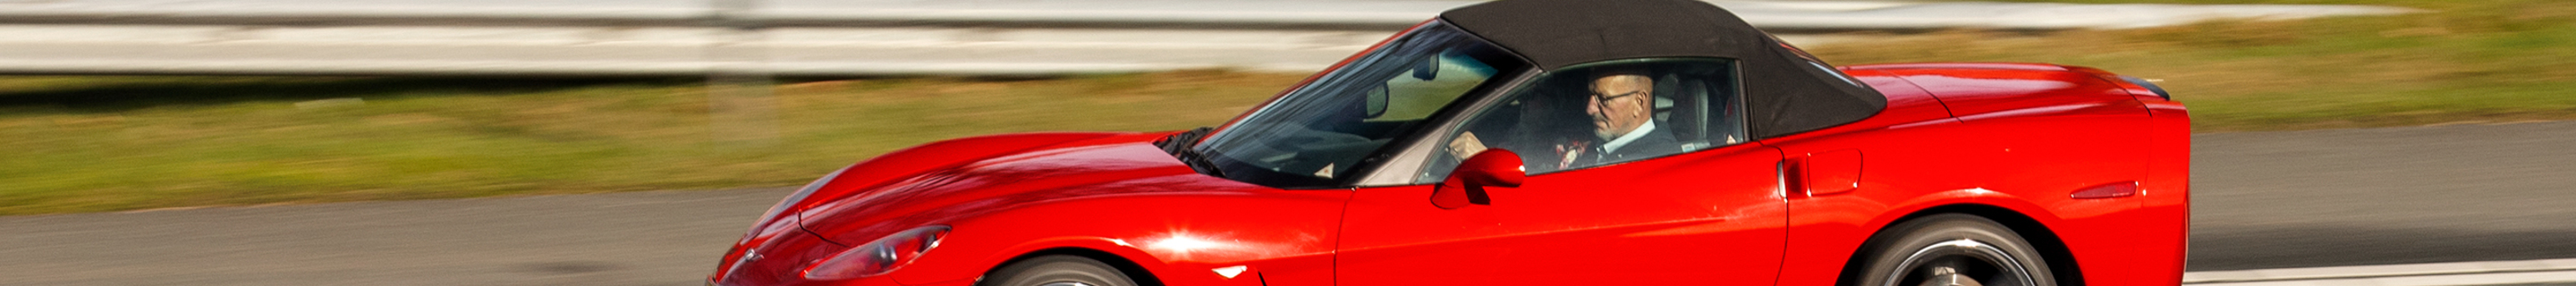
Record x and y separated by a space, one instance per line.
1785 92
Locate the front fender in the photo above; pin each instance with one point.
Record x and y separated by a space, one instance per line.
893 166
1181 236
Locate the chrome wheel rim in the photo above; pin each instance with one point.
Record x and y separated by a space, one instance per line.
1960 263
1066 283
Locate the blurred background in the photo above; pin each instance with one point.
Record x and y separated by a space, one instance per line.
595 142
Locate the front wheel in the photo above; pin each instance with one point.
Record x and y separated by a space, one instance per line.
1057 270
1952 250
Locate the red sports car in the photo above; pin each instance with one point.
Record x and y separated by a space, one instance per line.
1543 142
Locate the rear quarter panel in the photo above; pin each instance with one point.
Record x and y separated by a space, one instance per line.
2016 137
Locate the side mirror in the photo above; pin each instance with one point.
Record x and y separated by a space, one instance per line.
1492 168
1377 98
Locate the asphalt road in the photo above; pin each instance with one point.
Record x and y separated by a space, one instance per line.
2384 196
643 238
2263 200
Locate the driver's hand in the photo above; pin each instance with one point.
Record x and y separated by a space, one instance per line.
1466 145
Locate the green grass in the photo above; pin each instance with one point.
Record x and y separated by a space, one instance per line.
76 144
80 144
2465 61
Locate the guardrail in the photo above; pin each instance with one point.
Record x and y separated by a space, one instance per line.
851 37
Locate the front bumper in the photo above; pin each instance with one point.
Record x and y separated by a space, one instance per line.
776 254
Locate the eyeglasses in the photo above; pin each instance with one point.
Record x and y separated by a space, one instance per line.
1601 101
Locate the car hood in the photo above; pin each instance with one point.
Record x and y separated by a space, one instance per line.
1106 166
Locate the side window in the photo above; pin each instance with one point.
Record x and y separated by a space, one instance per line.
1603 113
1819 65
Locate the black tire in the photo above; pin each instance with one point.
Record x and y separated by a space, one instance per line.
1974 250
1057 270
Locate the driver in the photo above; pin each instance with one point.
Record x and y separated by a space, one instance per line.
1621 108
1623 114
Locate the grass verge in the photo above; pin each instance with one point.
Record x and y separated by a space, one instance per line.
2462 62
78 144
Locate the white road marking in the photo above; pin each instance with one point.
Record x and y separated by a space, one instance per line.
2428 274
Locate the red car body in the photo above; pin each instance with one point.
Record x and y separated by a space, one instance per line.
2092 168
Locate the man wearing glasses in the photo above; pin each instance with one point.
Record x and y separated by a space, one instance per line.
1623 115
1621 107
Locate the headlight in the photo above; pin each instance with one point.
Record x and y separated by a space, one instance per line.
880 256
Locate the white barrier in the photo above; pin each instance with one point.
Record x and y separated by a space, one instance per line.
853 37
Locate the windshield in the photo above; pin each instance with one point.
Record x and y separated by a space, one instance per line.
1317 135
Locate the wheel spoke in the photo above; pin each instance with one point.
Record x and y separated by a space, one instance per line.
1961 263
1949 276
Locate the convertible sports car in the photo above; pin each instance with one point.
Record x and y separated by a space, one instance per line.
1542 142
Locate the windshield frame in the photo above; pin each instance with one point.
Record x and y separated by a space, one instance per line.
1505 74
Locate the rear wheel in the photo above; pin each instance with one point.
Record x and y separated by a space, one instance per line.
1057 270
1952 250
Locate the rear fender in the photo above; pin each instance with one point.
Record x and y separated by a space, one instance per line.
1937 202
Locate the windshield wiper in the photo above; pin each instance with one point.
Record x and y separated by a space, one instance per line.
1198 161
1179 146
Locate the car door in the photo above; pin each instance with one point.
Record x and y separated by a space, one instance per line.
1711 212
